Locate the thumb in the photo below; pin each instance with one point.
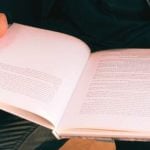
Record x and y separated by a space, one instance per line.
3 24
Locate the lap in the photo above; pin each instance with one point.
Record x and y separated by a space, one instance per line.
17 133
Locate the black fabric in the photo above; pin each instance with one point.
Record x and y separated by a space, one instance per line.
20 134
53 145
103 24
24 11
125 145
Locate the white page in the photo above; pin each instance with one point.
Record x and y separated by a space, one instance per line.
113 93
39 69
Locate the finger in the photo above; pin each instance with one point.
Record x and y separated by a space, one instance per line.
3 24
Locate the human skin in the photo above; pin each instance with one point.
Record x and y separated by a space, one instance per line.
3 24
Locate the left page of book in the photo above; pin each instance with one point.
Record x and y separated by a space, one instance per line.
38 71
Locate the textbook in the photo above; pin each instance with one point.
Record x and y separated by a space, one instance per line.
54 80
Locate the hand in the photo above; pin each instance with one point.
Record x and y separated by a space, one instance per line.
3 24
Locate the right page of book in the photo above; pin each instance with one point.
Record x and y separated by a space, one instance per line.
113 93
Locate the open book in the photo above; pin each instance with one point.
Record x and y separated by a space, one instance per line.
54 80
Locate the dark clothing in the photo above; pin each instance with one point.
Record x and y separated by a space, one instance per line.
20 134
102 24
24 11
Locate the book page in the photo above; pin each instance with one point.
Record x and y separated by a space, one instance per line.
39 69
113 93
